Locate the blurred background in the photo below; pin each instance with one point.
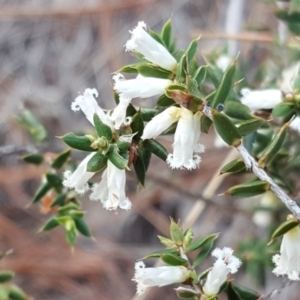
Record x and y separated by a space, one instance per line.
50 51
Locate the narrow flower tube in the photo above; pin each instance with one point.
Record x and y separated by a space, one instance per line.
261 99
152 50
160 276
185 143
288 261
111 190
142 87
161 122
79 178
89 106
225 264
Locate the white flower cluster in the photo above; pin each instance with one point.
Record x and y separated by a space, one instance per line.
111 190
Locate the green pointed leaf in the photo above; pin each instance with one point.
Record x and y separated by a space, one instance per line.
166 242
15 293
173 260
274 147
215 74
205 250
156 36
137 125
176 233
78 142
186 295
61 159
225 86
283 229
83 227
70 235
102 129
33 125
149 70
59 200
156 148
54 180
249 126
50 224
114 156
234 166
245 293
166 36
41 192
159 253
237 110
283 109
249 189
200 75
131 69
192 50
201 242
192 86
97 163
226 129
188 238
288 16
145 154
6 276
181 69
131 111
148 113
140 169
164 101
206 122
33 158
231 293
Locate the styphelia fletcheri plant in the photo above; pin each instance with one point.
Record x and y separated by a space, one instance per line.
125 139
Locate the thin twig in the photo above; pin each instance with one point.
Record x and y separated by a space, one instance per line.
285 283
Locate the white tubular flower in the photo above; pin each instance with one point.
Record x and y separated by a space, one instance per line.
142 87
288 261
186 142
153 51
118 116
161 122
111 190
79 178
160 276
89 106
226 263
295 124
261 99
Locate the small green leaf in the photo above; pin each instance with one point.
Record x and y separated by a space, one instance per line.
159 253
215 74
114 156
200 75
234 166
61 159
249 126
249 189
245 293
283 109
205 250
15 293
50 224
206 122
186 295
137 125
166 242
78 142
6 276
181 69
41 192
33 158
201 242
83 227
156 148
63 210
283 229
140 169
131 111
288 16
173 260
226 129
145 154
149 70
231 293
188 238
54 180
237 110
164 101
225 85
33 125
131 69
192 86
97 163
70 234
274 147
148 113
166 36
192 50
102 129
59 200
176 233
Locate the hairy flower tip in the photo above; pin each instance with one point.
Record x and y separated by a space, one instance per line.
261 99
79 178
89 106
111 190
140 87
142 42
288 261
226 263
160 276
